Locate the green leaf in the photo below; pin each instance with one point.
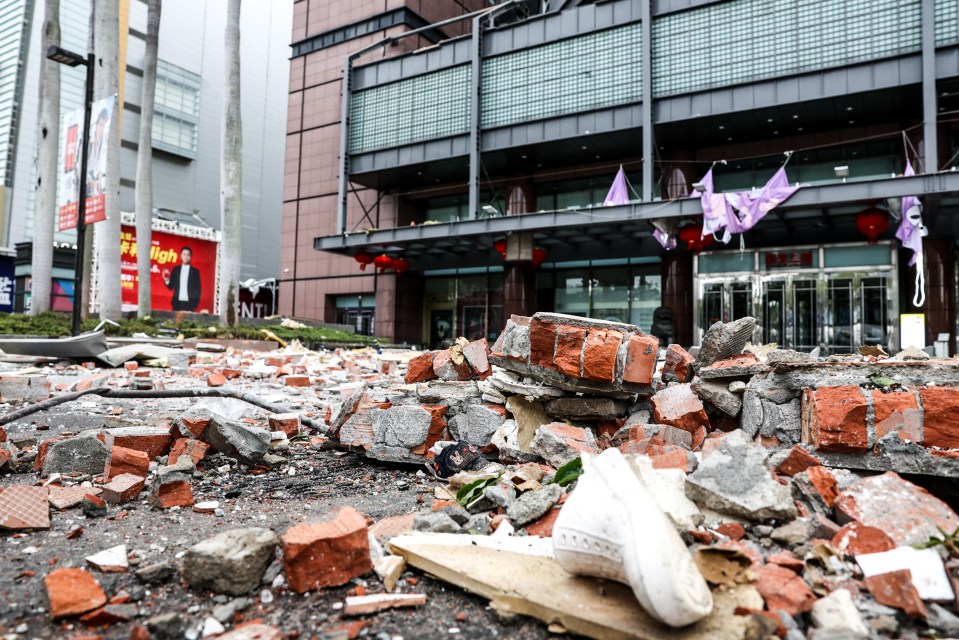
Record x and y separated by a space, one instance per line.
569 472
882 381
474 490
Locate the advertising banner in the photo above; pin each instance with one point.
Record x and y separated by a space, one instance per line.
182 272
7 282
69 192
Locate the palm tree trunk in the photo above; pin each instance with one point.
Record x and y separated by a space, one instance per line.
45 204
144 193
106 48
231 172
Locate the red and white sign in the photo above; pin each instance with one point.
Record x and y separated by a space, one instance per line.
69 196
166 254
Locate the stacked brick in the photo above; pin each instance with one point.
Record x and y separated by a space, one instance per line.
579 354
851 420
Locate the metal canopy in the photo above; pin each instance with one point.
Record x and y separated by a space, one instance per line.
577 233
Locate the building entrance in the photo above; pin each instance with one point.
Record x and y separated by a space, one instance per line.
837 298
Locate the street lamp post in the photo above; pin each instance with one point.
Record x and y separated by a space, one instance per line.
71 59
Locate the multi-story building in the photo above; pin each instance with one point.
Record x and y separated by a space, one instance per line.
187 124
482 162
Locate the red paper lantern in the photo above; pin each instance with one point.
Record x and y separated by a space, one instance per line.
500 246
692 236
400 265
364 258
539 256
871 222
383 262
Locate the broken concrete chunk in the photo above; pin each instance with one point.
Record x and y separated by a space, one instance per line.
156 572
908 513
837 612
678 365
436 522
112 560
734 479
238 440
587 408
724 340
478 424
84 453
558 443
533 505
740 366
16 388
717 393
232 562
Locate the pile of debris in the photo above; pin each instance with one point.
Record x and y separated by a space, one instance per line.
763 460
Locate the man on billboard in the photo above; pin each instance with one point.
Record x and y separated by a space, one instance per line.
184 282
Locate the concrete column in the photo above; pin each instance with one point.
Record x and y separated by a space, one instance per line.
677 274
929 95
519 290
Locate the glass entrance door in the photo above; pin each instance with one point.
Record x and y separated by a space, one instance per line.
726 300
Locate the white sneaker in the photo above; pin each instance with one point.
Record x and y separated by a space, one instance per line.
611 527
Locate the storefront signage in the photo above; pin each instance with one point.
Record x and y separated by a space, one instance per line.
70 156
166 271
788 259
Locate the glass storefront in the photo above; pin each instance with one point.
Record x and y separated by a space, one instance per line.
357 311
613 290
469 302
836 297
464 302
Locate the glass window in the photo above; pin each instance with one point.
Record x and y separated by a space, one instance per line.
645 296
727 262
858 256
177 110
572 292
610 288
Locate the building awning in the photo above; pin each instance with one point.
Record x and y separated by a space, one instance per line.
814 211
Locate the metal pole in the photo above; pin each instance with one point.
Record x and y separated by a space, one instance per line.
647 86
343 194
476 69
82 204
929 95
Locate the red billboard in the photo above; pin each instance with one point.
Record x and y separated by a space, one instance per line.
182 272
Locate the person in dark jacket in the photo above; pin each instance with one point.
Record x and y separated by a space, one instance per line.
184 282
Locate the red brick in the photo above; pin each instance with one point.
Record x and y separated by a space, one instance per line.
5 457
732 530
194 449
599 358
677 364
897 411
680 407
783 590
787 560
153 441
542 342
544 526
173 494
3 435
327 553
643 446
641 355
231 374
672 458
191 427
834 419
797 461
825 484
138 632
569 349
907 513
477 356
297 381
855 538
895 589
215 380
288 423
673 435
123 460
940 422
699 437
123 488
130 366
445 368
72 592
